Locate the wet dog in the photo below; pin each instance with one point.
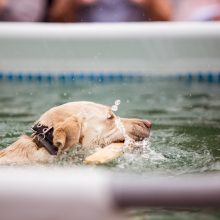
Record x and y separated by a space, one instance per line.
61 128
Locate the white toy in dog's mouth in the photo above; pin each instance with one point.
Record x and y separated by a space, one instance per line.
105 154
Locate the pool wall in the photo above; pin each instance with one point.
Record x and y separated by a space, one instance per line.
113 50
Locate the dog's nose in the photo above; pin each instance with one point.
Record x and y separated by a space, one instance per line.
147 123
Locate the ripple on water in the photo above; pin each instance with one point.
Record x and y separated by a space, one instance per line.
15 115
196 96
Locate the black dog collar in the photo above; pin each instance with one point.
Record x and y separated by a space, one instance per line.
43 137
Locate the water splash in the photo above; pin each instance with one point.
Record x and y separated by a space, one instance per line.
128 141
130 145
147 152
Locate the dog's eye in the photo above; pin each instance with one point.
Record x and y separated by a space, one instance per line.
110 116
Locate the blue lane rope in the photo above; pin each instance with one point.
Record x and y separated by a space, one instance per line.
93 77
106 77
200 77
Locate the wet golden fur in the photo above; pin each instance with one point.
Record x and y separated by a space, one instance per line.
86 123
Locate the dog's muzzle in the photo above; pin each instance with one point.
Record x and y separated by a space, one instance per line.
43 137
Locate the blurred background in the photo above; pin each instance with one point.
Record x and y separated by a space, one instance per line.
109 10
102 63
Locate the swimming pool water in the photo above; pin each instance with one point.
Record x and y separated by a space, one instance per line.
185 117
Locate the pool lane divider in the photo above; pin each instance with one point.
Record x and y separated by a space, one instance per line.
93 77
210 77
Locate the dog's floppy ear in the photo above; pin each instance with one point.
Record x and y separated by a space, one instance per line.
67 133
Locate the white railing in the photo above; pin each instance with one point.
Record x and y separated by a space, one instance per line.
128 48
68 193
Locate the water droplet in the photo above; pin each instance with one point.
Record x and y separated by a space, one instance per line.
118 102
114 108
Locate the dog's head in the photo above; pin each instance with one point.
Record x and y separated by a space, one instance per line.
99 126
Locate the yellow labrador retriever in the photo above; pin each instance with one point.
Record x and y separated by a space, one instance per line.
60 128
